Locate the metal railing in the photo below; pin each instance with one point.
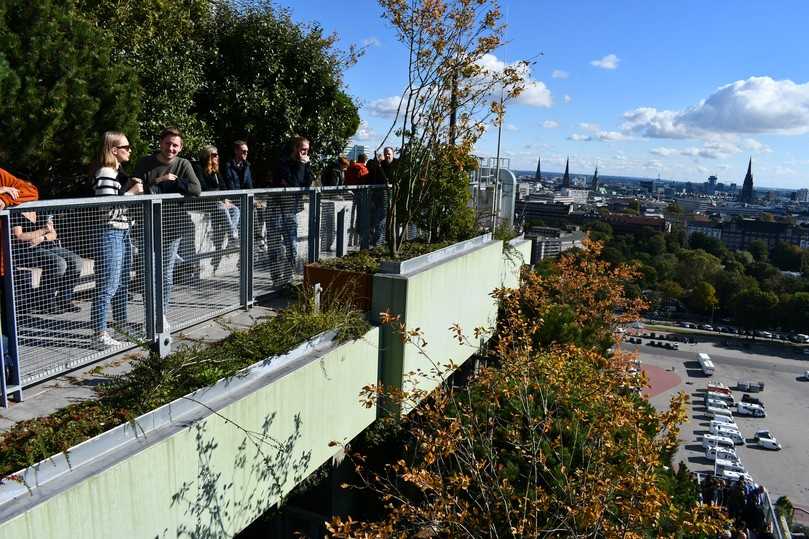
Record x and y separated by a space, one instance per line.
87 278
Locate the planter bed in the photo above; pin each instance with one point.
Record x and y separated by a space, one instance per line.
210 461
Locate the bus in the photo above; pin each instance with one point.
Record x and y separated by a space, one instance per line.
706 363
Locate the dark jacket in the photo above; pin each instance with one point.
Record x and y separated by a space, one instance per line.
332 175
293 173
209 182
238 177
150 167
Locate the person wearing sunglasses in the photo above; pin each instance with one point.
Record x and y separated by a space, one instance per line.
114 258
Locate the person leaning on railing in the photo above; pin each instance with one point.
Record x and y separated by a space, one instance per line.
293 171
113 262
225 216
166 172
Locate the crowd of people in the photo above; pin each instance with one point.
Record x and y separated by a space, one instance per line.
744 501
36 241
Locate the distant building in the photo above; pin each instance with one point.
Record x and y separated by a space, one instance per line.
707 228
354 152
566 177
594 181
648 186
802 195
547 212
538 175
746 196
551 242
577 196
738 235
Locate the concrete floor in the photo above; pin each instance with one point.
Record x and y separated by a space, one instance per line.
786 396
78 385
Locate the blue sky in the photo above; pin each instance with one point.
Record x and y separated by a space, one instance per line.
685 89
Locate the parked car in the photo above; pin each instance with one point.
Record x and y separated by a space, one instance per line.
722 418
764 334
752 400
714 453
714 412
750 387
714 440
753 410
734 476
806 376
706 327
715 424
765 439
718 387
712 403
729 432
732 465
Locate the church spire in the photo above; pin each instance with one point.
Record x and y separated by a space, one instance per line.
566 177
538 175
594 182
747 186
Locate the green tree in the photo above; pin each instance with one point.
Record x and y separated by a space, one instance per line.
272 79
787 256
708 244
759 250
695 266
795 312
702 298
671 290
59 91
753 309
166 44
599 231
729 283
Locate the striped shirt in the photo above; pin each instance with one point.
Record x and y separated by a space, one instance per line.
109 183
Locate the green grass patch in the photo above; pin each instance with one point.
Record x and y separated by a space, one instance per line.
156 381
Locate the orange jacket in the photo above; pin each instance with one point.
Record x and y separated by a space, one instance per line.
356 174
27 193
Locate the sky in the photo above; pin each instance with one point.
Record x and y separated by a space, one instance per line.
682 89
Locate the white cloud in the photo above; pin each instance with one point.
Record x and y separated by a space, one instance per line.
756 146
550 124
385 107
534 93
610 136
755 105
559 74
580 138
568 99
663 151
610 61
592 128
371 42
511 127
364 132
712 150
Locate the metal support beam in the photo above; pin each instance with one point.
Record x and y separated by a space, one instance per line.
10 376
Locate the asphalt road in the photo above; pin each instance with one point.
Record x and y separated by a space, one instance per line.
786 396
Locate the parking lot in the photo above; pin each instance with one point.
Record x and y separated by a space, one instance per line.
786 396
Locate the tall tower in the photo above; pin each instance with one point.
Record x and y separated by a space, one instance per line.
538 175
747 187
594 182
566 177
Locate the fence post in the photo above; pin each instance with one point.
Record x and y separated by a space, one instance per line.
154 245
10 386
246 256
314 225
364 219
341 223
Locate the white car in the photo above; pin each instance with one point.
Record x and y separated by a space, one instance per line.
722 453
748 409
713 440
714 403
733 475
716 412
765 439
806 373
732 465
715 426
724 419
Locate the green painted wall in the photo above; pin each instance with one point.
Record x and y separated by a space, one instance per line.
212 478
454 291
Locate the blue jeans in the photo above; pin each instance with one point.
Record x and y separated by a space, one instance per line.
232 217
171 254
112 278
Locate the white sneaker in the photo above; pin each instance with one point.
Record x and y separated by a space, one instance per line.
105 340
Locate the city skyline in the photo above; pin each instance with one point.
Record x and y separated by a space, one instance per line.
636 89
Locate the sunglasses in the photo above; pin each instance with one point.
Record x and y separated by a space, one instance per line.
126 147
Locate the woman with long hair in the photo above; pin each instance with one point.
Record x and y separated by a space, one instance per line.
114 259
211 179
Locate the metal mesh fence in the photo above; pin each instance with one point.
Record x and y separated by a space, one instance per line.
78 284
337 207
281 227
88 274
201 258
